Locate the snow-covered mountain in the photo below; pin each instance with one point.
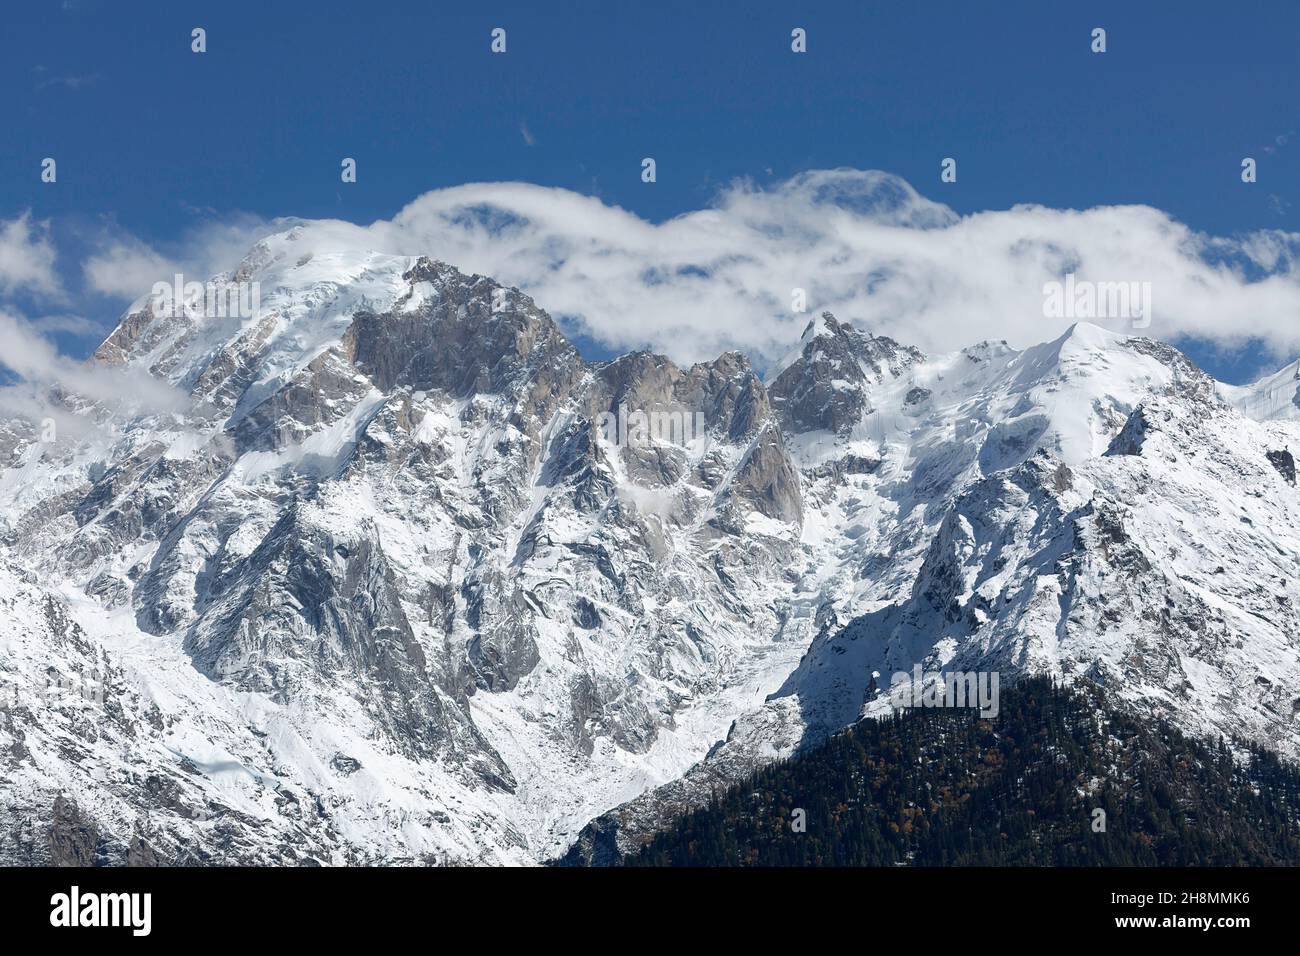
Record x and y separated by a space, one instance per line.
393 574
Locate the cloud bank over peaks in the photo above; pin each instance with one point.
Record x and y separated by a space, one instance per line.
862 244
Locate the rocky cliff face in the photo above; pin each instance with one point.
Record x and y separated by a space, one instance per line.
396 575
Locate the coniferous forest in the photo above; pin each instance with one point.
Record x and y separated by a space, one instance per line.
936 787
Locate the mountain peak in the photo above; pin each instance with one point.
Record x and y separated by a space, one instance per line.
1082 337
822 326
824 384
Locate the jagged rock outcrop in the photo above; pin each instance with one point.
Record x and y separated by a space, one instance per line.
829 387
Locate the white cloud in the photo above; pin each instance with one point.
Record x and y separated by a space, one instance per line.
27 258
125 267
36 364
863 244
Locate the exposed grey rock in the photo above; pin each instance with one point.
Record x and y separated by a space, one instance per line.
827 387
1284 463
74 841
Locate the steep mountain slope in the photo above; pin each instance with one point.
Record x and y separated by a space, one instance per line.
385 575
1060 778
1087 509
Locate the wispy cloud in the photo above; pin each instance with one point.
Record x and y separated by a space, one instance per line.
69 82
1280 141
35 362
126 267
27 258
70 324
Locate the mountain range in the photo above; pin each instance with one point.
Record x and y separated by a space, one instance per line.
364 577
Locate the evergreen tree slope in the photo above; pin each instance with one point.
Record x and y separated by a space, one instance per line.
945 787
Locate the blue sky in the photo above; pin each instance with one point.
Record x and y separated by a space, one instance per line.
154 140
